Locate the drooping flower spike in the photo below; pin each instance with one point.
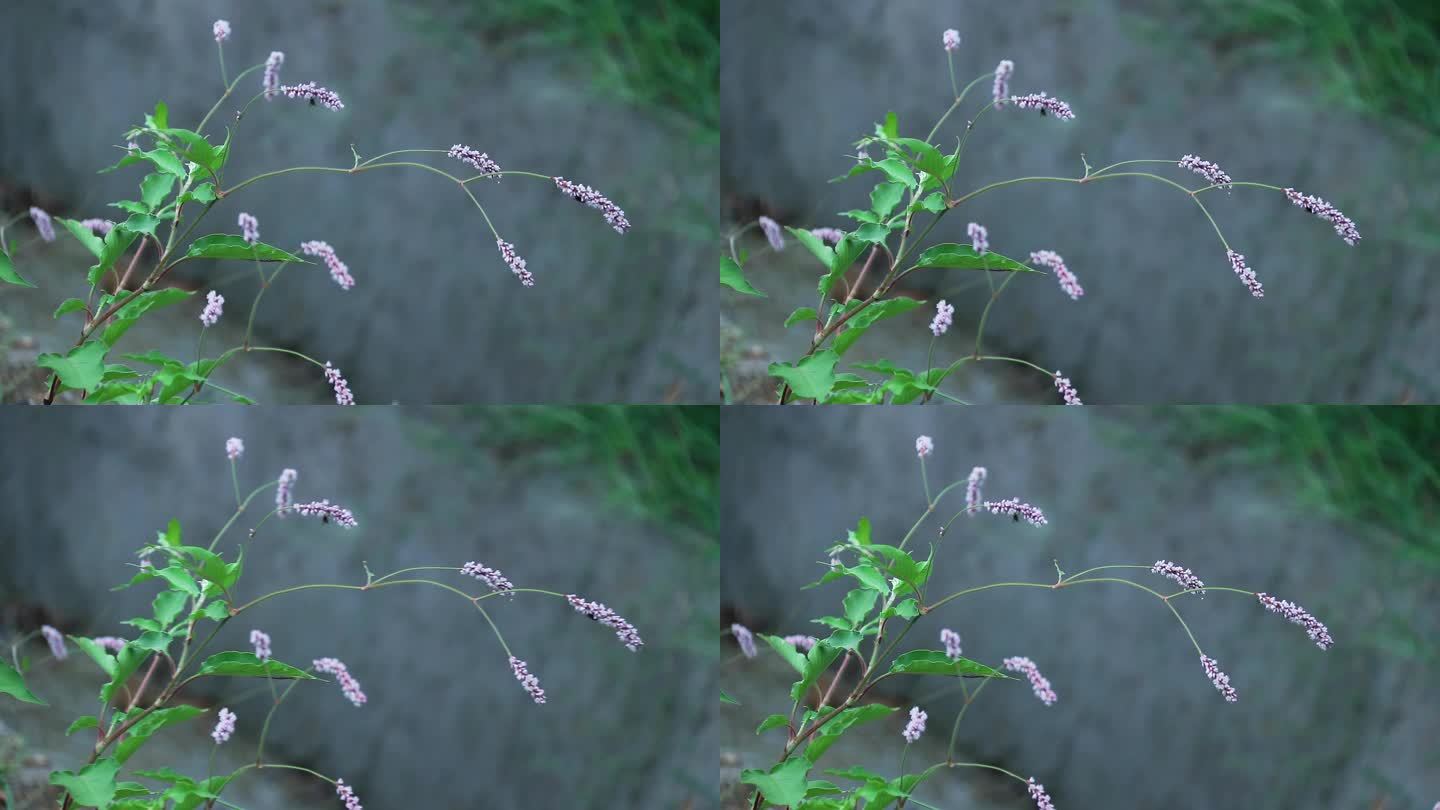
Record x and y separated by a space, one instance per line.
1068 282
773 234
249 228
1344 226
1252 282
1037 792
1207 170
973 486
338 269
224 727
624 630
916 726
348 685
1314 628
1181 575
347 795
944 316
1067 390
950 39
1003 72
43 223
1038 684
234 448
1220 679
801 642
283 490
342 388
979 237
261 642
270 83
97 226
1018 510
517 264
221 29
594 199
111 643
830 236
924 446
313 93
477 160
951 640
328 513
490 576
745 639
214 307
1045 104
528 681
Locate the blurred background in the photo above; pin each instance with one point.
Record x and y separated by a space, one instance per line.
1332 508
615 504
1333 98
618 94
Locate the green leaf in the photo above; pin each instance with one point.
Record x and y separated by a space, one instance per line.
855 328
891 128
160 119
130 206
126 662
773 721
815 245
927 157
884 197
869 577
229 246
165 160
858 604
9 274
787 651
782 785
733 277
12 683
896 170
949 254
842 722
93 786
907 609
873 234
180 579
246 665
819 659
812 377
799 316
98 654
167 606
121 322
153 641
68 306
151 723
203 193
934 203
117 241
195 148
155 188
845 640
83 235
724 698
860 535
81 723
934 662
141 223
82 367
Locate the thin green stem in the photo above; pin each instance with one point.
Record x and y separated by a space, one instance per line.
228 90
985 315
224 79
955 731
235 479
265 728
238 511
923 477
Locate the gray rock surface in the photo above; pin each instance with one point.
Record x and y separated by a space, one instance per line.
1163 319
446 722
1137 723
436 316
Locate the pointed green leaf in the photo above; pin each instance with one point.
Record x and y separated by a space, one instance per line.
773 721
117 241
228 246
167 606
786 650
856 327
724 698
783 785
121 322
10 275
812 377
93 786
858 604
155 188
83 235
896 170
733 277
799 316
82 723
246 665
81 368
949 254
12 683
884 198
151 723
69 305
842 722
934 662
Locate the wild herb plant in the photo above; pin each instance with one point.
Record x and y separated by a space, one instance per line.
919 185
200 593
889 597
187 167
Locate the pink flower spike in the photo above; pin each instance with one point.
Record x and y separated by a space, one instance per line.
225 727
745 639
214 307
950 39
951 640
773 234
111 643
973 487
271 81
625 631
1314 205
1317 631
1237 262
1067 390
1220 679
328 512
924 446
221 30
1207 170
249 228
1183 576
801 642
342 388
496 580
43 223
944 316
347 795
234 448
477 160
1045 104
348 685
830 236
1037 792
56 642
1068 282
589 196
99 227
1018 510
1003 72
530 682
517 264
261 642
338 270
1038 683
282 492
916 726
313 93
979 237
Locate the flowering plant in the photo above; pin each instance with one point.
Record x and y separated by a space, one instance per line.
888 599
919 181
198 587
187 167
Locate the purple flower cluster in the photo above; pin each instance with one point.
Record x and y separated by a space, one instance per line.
347 795
951 640
1220 679
214 307
97 226
56 642
1038 683
530 682
43 223
271 81
477 160
1067 390
261 642
112 643
944 316
1183 576
338 270
327 512
490 576
313 93
224 727
924 446
979 237
830 236
1045 104
1003 72
1317 631
221 29
250 228
1205 169
1018 510
972 488
801 642
625 631
916 726
283 490
348 685
1314 205
1237 262
744 638
234 448
1068 282
773 234
1037 792
596 200
950 39
517 264
342 388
